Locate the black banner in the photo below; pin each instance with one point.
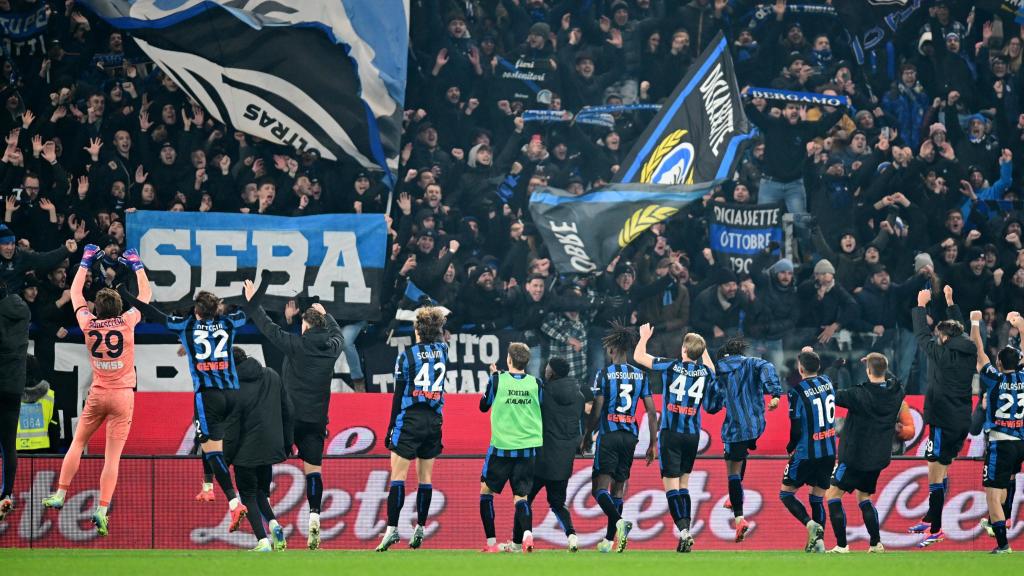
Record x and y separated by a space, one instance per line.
697 135
525 78
584 233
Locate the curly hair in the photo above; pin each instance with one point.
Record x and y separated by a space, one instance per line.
429 324
734 347
620 338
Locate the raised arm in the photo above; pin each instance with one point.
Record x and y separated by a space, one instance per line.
131 259
148 310
706 359
640 355
88 255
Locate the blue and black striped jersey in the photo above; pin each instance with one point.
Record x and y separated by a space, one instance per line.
420 372
682 399
623 386
208 347
812 414
1005 393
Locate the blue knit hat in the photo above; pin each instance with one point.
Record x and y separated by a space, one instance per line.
6 236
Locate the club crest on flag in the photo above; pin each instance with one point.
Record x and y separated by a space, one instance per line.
643 219
671 162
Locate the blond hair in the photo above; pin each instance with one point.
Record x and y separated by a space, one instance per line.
694 346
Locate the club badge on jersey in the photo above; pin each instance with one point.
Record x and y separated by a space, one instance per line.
623 386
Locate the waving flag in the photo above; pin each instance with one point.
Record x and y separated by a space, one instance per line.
697 134
584 233
412 300
323 75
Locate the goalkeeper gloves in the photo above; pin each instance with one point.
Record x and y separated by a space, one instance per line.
131 259
88 255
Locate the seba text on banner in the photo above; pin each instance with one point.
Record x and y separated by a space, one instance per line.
335 259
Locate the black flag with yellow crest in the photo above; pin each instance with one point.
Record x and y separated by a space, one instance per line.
584 233
699 132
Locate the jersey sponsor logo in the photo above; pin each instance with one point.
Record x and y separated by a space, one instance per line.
519 397
1009 423
684 410
622 418
427 395
830 433
212 366
108 365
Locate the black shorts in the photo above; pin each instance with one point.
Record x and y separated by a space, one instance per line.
943 446
614 454
738 451
416 433
309 439
514 470
676 453
212 408
803 472
1003 459
850 479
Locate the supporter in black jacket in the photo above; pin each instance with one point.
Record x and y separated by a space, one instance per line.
14 319
480 302
776 299
308 369
825 306
258 435
15 262
715 312
865 448
947 401
561 409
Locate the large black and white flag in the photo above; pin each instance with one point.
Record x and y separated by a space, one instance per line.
327 75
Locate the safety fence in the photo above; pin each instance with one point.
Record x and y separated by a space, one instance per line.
154 507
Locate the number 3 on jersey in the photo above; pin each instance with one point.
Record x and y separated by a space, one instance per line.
422 379
205 348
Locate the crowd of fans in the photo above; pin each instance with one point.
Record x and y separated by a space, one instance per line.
912 186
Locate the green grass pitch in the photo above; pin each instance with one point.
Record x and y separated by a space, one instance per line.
471 563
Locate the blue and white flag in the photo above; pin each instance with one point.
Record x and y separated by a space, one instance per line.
323 75
23 32
412 300
738 232
337 258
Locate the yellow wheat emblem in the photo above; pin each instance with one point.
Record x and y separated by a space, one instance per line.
666 146
643 219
